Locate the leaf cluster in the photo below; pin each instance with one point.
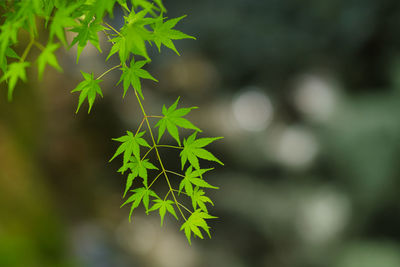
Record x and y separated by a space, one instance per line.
144 25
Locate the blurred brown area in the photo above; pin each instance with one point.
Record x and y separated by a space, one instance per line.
306 94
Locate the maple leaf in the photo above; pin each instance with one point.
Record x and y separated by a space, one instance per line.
193 178
173 118
15 71
140 194
132 75
8 35
162 206
88 88
198 198
193 149
130 145
47 57
163 33
138 168
3 60
196 220
62 19
99 7
87 31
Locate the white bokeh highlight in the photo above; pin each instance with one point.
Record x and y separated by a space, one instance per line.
252 110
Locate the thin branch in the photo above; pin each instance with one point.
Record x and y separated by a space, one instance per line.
158 155
107 71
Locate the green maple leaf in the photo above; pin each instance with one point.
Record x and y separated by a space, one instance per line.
160 4
15 71
8 35
3 60
119 45
99 7
162 206
62 19
132 36
140 194
193 149
47 57
47 9
88 88
87 31
173 118
198 198
132 75
138 168
193 178
164 34
130 146
196 220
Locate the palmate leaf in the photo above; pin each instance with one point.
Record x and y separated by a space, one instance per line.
99 7
8 35
63 19
3 60
173 119
130 146
87 32
192 178
47 57
195 222
139 195
162 206
164 34
193 149
198 198
14 72
138 168
88 88
132 75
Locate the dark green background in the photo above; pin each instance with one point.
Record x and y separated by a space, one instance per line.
317 184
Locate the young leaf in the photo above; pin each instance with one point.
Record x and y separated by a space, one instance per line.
87 31
3 60
163 33
48 57
15 70
140 194
192 178
162 206
99 7
198 198
173 118
88 88
62 19
196 220
193 149
132 75
138 168
130 145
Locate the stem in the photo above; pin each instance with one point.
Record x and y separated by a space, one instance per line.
27 49
177 147
155 179
147 152
155 117
140 126
178 174
158 155
107 71
39 45
180 192
183 206
112 28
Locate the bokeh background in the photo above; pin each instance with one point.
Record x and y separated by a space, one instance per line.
306 94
